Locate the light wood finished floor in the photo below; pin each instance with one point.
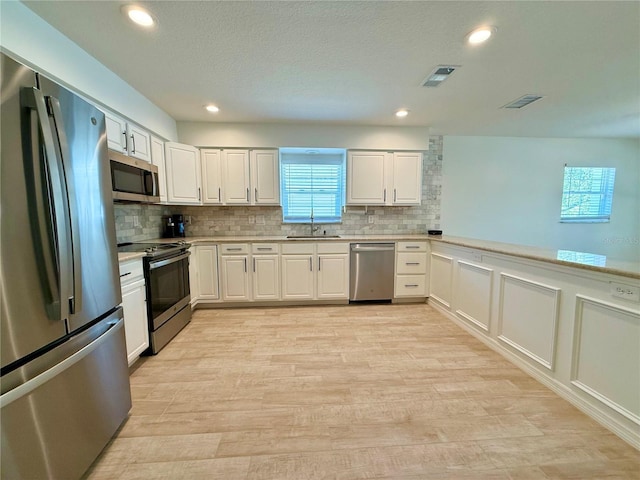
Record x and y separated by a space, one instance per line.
350 392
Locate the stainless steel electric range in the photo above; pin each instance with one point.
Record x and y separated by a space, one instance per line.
166 272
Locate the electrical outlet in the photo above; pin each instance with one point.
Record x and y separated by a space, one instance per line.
252 219
187 220
371 219
136 221
260 219
628 292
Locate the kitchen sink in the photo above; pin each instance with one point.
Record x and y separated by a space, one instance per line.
318 237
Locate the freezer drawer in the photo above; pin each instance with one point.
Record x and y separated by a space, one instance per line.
55 424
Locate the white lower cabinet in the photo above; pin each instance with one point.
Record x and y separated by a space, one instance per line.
411 269
265 271
315 271
134 305
234 273
333 271
203 274
297 273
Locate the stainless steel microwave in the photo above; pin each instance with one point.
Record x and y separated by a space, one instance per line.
133 180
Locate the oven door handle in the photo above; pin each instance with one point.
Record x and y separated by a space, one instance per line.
161 263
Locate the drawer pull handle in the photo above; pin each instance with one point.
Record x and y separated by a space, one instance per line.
412 286
233 249
125 274
412 263
412 246
267 249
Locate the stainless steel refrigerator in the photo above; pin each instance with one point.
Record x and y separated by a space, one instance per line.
64 377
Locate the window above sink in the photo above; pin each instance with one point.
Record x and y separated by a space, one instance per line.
312 184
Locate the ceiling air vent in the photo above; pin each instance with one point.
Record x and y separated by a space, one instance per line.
439 75
523 101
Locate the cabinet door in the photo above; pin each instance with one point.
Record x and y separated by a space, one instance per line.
183 174
157 158
116 133
297 277
266 277
235 278
333 277
194 282
407 178
139 143
211 176
235 171
207 261
366 178
265 177
136 330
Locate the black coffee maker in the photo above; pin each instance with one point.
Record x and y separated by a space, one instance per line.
174 226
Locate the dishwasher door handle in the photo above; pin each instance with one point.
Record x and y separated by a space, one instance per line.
372 248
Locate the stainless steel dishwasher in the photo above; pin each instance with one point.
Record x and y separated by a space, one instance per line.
371 271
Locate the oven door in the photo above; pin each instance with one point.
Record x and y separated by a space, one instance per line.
167 288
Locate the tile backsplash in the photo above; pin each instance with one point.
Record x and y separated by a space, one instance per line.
136 223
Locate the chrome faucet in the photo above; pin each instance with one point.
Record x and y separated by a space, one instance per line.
314 229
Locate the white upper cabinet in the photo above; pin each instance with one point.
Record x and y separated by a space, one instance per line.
235 172
157 158
366 182
116 133
407 178
211 176
265 177
183 174
127 138
384 178
139 142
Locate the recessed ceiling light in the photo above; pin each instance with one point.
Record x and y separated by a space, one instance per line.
480 35
402 113
139 15
212 108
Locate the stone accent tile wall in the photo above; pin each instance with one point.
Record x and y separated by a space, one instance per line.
267 221
137 222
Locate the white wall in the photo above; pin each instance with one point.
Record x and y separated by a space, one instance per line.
206 134
509 190
29 39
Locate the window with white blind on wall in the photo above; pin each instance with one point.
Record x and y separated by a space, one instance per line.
312 182
587 194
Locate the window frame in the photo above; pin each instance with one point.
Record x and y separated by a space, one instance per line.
320 158
583 196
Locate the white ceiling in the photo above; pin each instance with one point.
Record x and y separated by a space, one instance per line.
356 62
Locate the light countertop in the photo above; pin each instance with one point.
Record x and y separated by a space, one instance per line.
582 260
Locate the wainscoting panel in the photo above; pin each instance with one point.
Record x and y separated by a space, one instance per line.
528 318
473 300
606 355
441 278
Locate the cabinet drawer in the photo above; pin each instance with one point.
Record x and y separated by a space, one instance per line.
234 248
411 286
301 248
131 271
412 247
411 263
332 247
265 248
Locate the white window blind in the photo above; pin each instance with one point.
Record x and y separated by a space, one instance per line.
312 184
587 194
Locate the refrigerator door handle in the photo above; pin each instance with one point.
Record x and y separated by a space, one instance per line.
57 269
75 300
